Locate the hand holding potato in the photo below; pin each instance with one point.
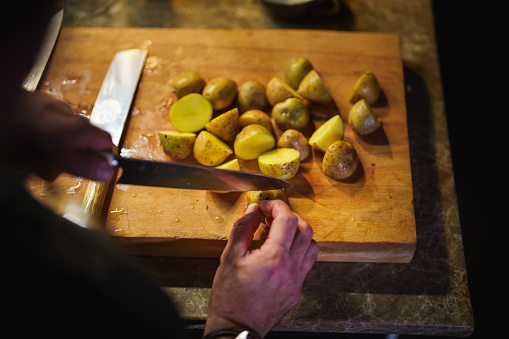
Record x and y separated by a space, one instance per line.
254 289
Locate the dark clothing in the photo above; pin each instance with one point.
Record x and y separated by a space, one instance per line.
61 279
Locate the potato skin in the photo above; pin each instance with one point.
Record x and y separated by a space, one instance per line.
295 70
291 113
367 88
251 95
256 197
291 138
209 150
340 160
187 82
362 119
221 92
176 144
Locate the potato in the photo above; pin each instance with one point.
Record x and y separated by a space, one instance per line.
255 116
187 82
190 113
225 125
251 95
295 70
232 165
252 141
313 88
291 113
277 90
209 150
362 119
256 197
367 88
221 92
291 138
330 131
178 145
340 160
281 163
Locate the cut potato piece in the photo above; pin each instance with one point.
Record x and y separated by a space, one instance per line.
232 165
255 116
251 95
221 92
256 197
178 145
313 88
277 90
340 161
191 113
362 119
187 82
291 138
367 88
330 131
281 163
252 141
225 125
209 150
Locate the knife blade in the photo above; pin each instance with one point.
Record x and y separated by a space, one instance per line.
50 37
189 176
110 113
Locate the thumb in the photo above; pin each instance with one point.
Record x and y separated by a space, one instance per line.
243 231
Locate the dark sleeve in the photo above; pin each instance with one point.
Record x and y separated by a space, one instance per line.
60 278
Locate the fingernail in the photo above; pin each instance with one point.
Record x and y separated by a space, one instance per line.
251 208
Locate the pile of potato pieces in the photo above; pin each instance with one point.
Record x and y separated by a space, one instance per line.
248 128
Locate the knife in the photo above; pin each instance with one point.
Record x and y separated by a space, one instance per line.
110 113
50 37
188 176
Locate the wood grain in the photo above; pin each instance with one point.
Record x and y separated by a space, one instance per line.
366 218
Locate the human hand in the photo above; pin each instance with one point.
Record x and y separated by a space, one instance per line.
254 289
41 134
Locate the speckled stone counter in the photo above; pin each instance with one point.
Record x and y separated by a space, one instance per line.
427 296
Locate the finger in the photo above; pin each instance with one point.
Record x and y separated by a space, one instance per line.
309 259
88 164
243 231
284 222
302 239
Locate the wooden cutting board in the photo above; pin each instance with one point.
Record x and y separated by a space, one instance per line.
366 218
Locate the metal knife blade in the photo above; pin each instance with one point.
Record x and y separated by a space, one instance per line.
110 112
188 176
34 76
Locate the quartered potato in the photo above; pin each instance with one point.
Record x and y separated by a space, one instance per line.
178 145
367 88
209 150
330 131
225 125
295 70
277 90
256 197
313 88
362 119
291 113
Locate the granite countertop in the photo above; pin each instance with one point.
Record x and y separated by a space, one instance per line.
428 296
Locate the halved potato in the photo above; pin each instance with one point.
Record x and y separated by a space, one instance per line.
291 138
281 163
252 141
190 113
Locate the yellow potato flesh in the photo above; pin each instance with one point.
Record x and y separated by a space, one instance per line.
330 131
179 145
191 113
232 165
225 125
281 163
209 150
252 141
256 197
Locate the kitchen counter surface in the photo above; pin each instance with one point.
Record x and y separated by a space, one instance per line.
430 295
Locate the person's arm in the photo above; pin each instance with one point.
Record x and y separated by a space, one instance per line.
41 134
254 289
